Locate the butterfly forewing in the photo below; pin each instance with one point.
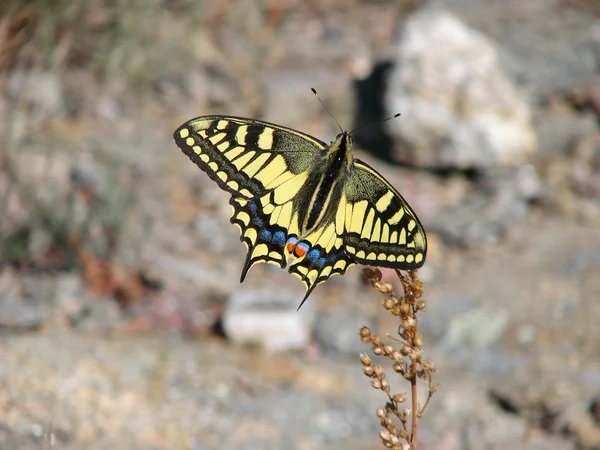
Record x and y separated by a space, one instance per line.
245 157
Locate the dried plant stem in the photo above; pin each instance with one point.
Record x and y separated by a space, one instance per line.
407 361
415 406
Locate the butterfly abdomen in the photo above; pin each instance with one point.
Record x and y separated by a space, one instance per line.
327 189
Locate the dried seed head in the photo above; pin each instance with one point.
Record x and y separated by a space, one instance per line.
414 356
372 274
376 340
409 323
386 437
428 367
388 303
365 360
385 386
369 371
403 434
418 288
418 340
406 350
404 309
399 398
381 413
378 350
398 368
421 306
387 422
396 356
365 334
379 372
388 350
376 383
387 288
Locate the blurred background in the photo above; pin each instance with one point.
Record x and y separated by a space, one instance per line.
122 320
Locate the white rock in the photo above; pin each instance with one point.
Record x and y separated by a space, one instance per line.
458 107
269 319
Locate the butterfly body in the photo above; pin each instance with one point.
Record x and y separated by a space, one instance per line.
300 200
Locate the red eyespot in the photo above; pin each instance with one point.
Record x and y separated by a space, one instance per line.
299 251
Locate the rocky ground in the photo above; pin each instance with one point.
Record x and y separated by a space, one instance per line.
122 320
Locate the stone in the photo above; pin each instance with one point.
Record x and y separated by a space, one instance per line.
269 319
459 108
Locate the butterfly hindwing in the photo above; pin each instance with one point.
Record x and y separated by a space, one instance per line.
380 228
320 255
264 244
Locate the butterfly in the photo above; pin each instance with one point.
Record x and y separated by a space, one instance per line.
300 201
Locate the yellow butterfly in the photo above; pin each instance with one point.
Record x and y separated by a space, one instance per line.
295 197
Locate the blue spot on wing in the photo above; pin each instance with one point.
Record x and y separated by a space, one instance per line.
279 238
313 255
321 262
266 235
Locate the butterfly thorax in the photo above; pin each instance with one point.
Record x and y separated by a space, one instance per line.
326 184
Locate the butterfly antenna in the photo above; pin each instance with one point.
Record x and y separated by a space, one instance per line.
375 123
314 91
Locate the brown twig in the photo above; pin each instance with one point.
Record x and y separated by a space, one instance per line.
415 406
